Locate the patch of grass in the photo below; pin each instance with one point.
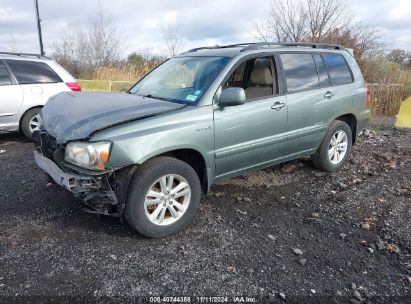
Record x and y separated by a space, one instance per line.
95 85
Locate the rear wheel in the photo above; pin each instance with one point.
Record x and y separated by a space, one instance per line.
30 122
163 197
335 149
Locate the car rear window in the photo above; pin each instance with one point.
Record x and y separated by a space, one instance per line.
4 75
300 72
338 69
30 72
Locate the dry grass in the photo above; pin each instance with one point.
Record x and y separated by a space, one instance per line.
125 73
388 86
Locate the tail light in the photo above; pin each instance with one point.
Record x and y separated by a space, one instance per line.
368 98
74 86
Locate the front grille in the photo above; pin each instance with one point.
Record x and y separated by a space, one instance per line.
48 145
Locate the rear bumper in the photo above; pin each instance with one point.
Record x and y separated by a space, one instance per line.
362 120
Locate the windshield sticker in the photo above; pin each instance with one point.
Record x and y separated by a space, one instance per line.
197 93
191 97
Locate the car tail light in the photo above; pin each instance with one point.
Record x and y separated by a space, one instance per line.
74 86
368 98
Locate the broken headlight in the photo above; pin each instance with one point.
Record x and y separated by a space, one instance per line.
90 155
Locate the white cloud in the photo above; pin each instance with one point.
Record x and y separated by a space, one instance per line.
202 22
401 10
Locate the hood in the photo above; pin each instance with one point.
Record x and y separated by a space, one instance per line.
76 115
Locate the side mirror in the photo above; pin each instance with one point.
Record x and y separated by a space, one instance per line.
231 97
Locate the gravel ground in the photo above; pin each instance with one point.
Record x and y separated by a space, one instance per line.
289 233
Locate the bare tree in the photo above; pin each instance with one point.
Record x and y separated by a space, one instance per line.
103 39
172 39
285 21
361 39
305 20
83 50
323 16
69 51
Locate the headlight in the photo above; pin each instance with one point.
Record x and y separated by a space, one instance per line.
90 155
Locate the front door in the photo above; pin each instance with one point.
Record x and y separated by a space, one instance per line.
11 99
251 135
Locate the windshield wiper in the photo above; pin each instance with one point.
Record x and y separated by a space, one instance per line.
159 98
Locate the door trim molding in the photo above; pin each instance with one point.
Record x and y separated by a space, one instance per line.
250 145
7 114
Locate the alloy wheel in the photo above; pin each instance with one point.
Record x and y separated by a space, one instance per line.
338 147
167 199
34 123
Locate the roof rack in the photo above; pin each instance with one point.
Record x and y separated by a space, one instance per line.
24 54
253 46
256 45
216 47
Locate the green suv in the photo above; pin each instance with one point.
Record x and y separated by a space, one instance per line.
209 114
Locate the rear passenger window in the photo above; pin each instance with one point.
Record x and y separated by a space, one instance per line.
338 69
30 72
321 70
300 72
4 75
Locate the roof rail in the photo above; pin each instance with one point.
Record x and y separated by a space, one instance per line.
24 54
256 45
253 46
216 47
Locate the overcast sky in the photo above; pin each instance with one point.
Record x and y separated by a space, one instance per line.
205 22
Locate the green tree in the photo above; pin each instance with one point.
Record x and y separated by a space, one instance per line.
135 59
397 56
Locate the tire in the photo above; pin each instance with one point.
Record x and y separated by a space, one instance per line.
322 159
147 177
26 121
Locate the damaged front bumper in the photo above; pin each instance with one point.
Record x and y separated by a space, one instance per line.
102 192
95 191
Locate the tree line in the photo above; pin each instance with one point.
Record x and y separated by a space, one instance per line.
84 51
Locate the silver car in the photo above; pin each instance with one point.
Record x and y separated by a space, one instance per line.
27 81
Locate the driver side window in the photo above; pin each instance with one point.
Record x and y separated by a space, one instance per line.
256 76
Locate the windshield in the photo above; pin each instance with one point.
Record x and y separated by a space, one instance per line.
181 79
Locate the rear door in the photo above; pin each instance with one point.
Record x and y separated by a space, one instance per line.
313 97
11 99
253 134
305 100
38 81
341 78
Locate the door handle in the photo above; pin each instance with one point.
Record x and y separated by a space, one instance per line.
278 106
328 95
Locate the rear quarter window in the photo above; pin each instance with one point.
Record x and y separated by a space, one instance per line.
338 69
300 72
31 72
4 75
322 72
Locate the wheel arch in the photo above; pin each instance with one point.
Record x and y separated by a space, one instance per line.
351 120
195 160
25 112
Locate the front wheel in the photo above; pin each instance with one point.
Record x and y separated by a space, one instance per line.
163 197
335 149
